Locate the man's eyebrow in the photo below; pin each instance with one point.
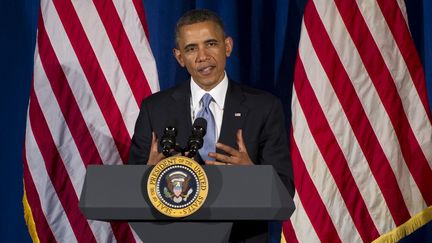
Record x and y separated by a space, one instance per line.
194 44
211 40
189 45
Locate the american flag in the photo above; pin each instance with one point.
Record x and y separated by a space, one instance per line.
361 125
92 67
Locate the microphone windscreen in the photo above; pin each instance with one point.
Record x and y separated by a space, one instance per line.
200 122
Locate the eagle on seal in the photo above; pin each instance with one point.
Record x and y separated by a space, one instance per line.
177 188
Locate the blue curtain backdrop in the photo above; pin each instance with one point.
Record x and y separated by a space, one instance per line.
265 34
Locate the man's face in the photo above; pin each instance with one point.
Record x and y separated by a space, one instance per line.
203 50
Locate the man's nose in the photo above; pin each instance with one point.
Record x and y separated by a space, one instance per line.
202 55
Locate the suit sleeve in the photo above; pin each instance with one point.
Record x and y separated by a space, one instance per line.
141 140
274 148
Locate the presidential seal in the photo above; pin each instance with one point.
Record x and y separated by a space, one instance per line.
177 186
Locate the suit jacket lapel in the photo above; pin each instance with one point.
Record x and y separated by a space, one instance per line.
180 110
234 115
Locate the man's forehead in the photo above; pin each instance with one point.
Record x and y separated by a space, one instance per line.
206 28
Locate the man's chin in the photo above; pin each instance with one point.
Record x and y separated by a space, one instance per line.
206 84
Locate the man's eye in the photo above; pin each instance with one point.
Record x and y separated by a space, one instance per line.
212 44
190 49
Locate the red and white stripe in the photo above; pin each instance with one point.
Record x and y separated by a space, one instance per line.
93 65
361 138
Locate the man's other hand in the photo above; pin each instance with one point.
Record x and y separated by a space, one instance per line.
234 157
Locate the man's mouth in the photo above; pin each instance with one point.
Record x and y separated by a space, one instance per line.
206 70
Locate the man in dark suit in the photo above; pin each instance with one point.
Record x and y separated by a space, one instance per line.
248 123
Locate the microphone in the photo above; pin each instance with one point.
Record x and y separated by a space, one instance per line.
196 140
168 140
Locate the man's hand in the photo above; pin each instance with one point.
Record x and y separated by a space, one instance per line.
235 157
154 156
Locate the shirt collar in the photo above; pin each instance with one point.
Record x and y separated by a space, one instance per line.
218 93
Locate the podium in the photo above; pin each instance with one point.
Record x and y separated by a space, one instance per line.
236 193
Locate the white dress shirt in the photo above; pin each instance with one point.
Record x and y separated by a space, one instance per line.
216 106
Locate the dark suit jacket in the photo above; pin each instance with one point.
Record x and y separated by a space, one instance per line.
261 118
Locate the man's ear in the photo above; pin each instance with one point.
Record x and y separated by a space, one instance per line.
229 44
177 54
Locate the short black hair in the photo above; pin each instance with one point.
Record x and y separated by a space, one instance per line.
197 16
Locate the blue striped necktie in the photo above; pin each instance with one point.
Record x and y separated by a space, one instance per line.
210 137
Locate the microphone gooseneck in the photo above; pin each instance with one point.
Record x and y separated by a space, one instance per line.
194 143
168 140
196 140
